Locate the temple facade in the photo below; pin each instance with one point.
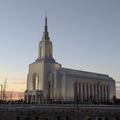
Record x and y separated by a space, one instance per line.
47 80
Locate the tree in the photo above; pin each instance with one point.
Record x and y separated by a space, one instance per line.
4 89
11 96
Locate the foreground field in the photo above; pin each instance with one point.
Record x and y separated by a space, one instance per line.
59 112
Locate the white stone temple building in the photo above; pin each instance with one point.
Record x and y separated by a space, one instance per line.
47 80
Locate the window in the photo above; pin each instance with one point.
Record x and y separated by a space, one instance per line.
41 52
35 81
49 54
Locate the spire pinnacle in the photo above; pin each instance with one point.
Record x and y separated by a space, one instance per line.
45 33
46 17
46 21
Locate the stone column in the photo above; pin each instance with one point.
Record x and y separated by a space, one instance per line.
98 90
105 93
31 99
102 93
26 98
87 95
88 91
81 92
36 97
97 94
91 90
77 89
108 91
94 91
85 92
64 87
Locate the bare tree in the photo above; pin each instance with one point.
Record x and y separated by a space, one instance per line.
4 89
1 92
20 95
11 96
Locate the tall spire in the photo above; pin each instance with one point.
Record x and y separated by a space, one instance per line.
45 50
45 33
46 21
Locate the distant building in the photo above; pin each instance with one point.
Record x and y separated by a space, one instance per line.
48 80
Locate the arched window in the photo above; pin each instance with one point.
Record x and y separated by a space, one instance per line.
35 81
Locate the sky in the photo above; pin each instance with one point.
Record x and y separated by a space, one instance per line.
85 36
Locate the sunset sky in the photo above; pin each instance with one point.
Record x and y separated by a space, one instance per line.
85 35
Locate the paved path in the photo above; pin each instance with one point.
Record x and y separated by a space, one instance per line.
39 106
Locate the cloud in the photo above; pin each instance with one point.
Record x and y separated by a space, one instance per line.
16 81
15 84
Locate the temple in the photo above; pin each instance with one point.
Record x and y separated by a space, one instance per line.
48 81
